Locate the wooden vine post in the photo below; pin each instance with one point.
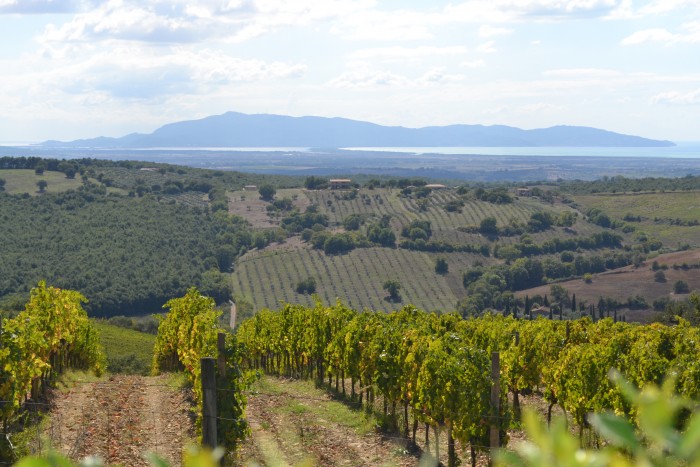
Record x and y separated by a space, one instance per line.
209 435
221 360
495 400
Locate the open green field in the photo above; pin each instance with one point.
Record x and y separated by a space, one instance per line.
128 351
269 277
658 211
18 181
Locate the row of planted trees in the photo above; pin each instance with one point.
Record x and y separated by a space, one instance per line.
188 333
51 334
422 366
436 367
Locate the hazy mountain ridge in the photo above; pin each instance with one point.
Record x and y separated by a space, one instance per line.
234 129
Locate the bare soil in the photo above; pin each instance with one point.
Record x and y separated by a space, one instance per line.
285 430
629 281
123 417
291 427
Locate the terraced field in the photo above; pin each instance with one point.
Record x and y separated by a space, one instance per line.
659 213
265 278
379 202
376 202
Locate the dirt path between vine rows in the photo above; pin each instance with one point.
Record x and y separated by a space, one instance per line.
292 423
120 418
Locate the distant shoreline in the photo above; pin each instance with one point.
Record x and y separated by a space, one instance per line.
682 150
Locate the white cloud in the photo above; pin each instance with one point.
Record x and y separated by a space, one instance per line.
676 97
368 78
364 76
487 31
499 11
30 7
689 33
583 73
406 53
126 73
487 47
539 107
473 64
118 20
658 7
183 21
399 25
647 35
438 76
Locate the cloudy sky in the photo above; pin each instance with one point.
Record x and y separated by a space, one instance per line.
83 68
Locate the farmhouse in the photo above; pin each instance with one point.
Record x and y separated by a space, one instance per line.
339 183
250 188
523 192
540 311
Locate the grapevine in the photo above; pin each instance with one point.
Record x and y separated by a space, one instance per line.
437 366
51 333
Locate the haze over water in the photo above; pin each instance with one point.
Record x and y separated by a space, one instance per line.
685 150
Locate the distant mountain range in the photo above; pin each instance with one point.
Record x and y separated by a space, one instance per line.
234 129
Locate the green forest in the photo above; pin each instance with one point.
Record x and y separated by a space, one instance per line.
126 255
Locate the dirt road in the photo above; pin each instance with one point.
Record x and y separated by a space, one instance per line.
122 417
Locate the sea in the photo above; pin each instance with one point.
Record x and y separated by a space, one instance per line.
685 150
682 150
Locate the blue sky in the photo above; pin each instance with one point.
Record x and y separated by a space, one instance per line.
83 68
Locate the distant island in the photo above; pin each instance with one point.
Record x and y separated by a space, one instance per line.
234 129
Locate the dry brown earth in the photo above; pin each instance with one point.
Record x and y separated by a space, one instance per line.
123 417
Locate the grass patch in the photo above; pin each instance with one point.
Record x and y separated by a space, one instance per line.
71 378
177 380
18 181
128 351
657 212
308 401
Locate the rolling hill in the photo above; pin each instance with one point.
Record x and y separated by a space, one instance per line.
234 129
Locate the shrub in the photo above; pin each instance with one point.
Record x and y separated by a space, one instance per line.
488 226
392 287
307 286
267 192
681 287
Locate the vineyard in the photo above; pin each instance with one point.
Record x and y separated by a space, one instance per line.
423 375
379 202
265 278
188 333
434 370
670 216
53 333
